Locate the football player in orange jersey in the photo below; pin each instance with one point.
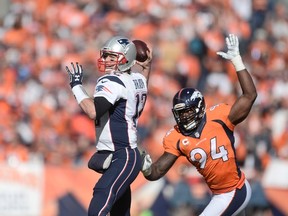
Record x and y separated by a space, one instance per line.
205 137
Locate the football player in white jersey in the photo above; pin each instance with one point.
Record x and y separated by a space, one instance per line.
117 103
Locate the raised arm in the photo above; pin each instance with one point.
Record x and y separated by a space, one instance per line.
244 102
146 65
154 171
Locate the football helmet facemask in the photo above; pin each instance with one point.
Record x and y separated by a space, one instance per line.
188 109
117 54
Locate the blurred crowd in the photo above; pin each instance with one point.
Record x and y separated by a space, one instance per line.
39 115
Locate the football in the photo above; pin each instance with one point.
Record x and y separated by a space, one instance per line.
141 48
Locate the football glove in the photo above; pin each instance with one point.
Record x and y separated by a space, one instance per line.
146 164
76 77
233 53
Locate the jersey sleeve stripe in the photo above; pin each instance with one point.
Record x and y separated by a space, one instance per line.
178 147
225 127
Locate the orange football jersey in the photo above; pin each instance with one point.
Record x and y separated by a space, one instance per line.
213 153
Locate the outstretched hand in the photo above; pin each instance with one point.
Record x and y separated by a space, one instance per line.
233 47
233 53
76 76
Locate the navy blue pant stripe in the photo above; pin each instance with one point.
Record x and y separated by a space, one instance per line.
237 201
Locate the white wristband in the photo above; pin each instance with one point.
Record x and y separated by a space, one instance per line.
79 93
238 63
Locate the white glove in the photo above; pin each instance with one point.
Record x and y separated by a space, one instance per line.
233 53
146 164
107 161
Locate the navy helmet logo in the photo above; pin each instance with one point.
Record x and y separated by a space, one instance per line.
124 42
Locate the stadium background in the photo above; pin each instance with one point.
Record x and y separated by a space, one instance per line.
45 140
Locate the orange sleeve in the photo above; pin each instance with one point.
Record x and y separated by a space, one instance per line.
227 109
222 111
170 142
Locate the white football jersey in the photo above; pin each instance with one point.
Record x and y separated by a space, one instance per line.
117 128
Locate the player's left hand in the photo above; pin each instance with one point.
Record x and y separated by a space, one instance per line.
76 77
233 47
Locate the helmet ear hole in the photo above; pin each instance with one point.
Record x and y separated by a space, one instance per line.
123 61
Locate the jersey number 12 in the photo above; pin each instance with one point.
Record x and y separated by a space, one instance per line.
140 103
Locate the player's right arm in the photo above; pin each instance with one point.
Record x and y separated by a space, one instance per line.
165 161
242 106
146 65
154 171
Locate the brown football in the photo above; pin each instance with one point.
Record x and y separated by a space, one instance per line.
141 48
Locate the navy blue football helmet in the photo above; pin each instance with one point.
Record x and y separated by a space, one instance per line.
188 109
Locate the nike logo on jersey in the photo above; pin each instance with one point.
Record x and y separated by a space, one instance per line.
200 141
